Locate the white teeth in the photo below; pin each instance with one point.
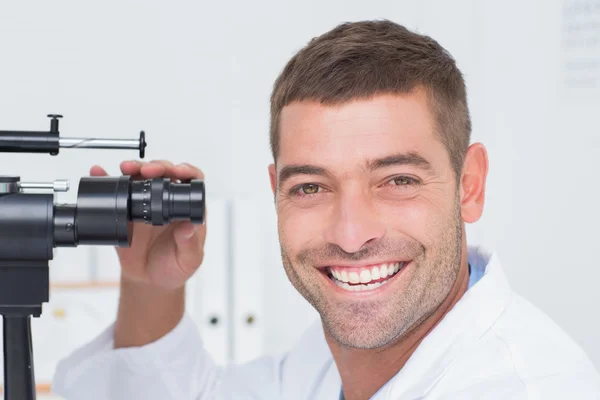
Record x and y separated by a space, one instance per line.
384 271
375 273
373 285
344 276
365 276
358 288
361 278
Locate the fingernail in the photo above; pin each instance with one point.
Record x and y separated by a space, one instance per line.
189 232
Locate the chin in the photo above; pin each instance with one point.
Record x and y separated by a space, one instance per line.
361 330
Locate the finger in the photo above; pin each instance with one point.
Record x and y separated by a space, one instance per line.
131 168
158 168
187 171
97 170
170 170
189 240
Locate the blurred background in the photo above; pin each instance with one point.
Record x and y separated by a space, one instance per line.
196 77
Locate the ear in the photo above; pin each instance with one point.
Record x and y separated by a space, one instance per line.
273 177
472 185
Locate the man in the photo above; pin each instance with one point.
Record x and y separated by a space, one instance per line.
374 179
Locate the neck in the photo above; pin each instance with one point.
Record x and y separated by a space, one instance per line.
365 371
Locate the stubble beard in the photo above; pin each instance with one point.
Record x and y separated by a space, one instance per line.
374 324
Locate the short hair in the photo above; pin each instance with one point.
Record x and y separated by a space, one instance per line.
358 60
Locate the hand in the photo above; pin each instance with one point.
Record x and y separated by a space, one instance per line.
167 256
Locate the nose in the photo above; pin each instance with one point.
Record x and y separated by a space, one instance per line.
355 222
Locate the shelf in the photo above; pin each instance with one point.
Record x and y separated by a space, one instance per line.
40 388
84 285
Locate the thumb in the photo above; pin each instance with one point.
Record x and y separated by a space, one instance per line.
189 243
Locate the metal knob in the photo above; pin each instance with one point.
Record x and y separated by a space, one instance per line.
9 184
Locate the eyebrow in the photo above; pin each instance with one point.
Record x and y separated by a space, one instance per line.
410 158
292 170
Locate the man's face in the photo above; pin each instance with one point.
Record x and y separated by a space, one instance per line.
369 214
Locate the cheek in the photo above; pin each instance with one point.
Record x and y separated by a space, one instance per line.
421 218
300 228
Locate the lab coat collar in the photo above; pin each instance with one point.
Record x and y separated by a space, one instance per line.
466 323
468 320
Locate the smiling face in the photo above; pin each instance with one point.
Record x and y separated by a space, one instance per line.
369 214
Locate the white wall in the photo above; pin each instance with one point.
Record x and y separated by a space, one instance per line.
543 134
197 77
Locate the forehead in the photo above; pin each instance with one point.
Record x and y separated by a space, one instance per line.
344 136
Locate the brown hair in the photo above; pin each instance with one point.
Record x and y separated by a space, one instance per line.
362 59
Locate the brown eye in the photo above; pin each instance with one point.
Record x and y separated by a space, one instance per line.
402 180
310 188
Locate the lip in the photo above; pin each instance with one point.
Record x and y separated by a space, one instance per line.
366 293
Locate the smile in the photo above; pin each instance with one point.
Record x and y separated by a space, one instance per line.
364 278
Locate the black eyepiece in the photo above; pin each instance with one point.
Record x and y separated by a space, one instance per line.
106 206
159 201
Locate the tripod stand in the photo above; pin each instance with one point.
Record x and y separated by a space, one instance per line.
31 226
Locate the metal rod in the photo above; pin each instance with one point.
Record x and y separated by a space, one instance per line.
59 185
99 143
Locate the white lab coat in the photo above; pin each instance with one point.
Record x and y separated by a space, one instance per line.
492 345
